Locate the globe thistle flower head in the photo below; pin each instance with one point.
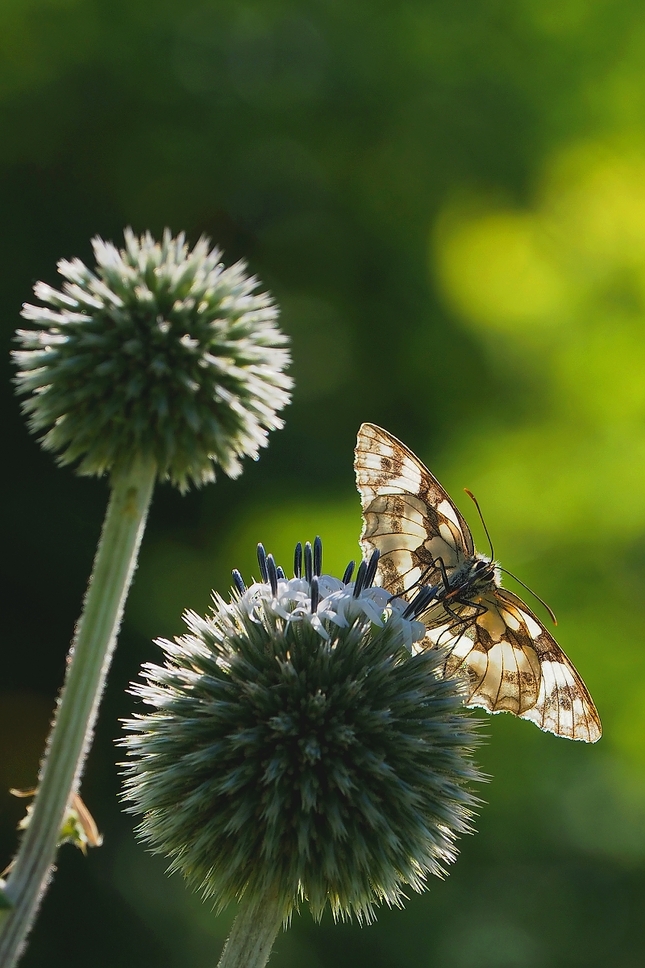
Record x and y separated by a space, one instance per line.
299 746
160 352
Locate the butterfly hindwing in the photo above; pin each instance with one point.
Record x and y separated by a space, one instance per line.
564 705
407 514
513 664
510 661
496 651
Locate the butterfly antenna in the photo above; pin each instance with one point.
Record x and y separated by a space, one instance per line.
534 594
481 518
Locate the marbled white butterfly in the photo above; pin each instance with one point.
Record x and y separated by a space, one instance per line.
512 662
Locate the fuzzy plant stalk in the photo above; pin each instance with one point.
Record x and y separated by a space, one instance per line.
299 747
253 934
161 363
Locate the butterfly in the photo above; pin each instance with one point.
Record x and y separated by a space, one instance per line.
512 663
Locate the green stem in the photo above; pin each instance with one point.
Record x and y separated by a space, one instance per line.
71 735
254 930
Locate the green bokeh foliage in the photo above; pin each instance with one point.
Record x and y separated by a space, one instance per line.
446 199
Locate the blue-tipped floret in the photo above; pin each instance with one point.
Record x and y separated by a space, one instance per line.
317 556
360 578
309 561
366 573
272 574
262 562
297 561
421 601
349 571
372 565
239 581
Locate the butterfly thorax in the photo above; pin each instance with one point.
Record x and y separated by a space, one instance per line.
471 578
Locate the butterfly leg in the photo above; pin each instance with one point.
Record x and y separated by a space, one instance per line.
444 574
481 609
421 580
461 619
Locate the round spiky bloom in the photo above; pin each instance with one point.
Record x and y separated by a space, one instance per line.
298 747
161 352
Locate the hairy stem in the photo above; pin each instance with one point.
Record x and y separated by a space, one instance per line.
254 930
71 735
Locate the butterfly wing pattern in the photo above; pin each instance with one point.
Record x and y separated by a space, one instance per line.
407 514
512 663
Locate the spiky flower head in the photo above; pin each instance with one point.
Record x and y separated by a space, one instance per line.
160 352
300 747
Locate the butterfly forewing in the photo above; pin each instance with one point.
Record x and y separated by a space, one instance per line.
510 661
407 514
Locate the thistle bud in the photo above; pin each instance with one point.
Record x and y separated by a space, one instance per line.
162 353
299 746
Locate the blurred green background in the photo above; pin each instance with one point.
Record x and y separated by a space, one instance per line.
447 198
